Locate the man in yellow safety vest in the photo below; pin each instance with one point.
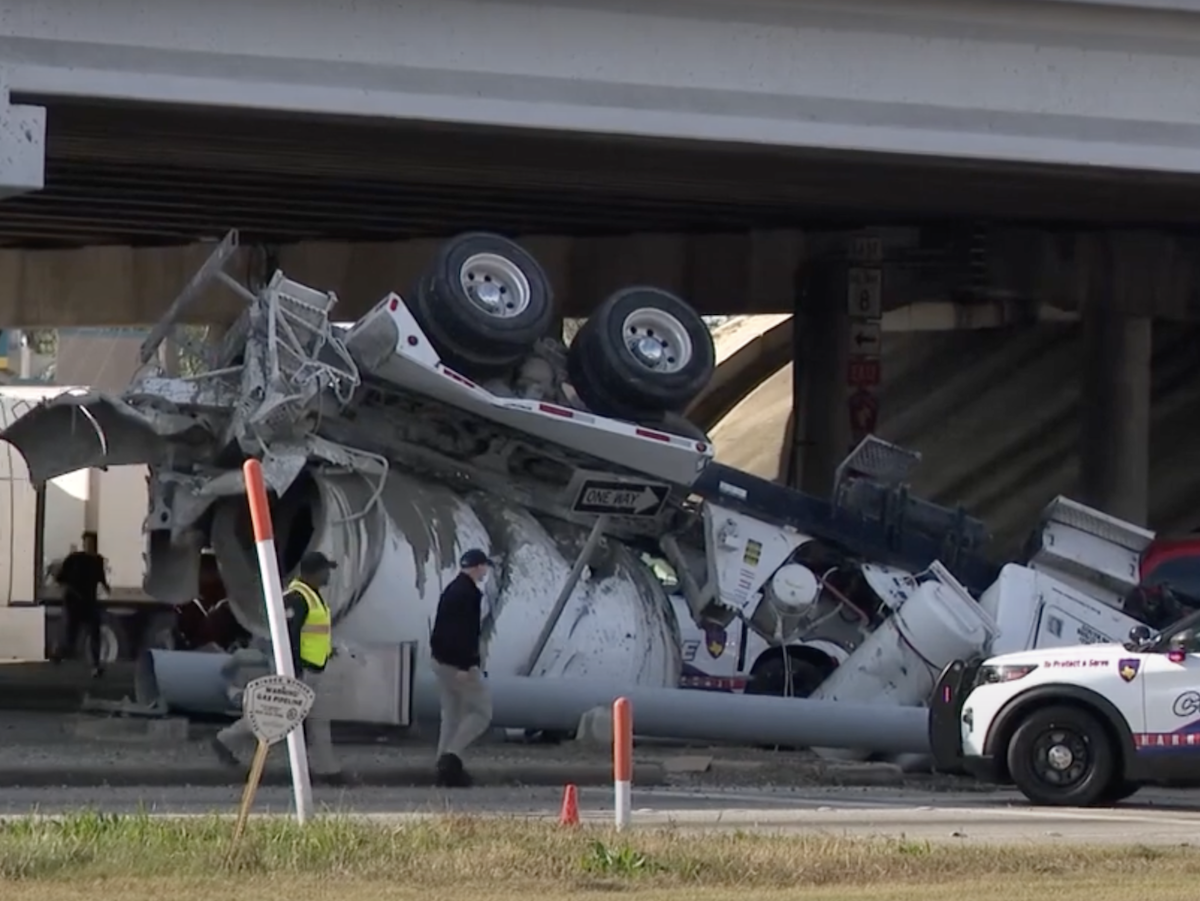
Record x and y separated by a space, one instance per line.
310 630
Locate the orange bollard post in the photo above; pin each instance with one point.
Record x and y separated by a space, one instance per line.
622 761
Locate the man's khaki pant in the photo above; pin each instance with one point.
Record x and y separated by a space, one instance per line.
319 741
466 708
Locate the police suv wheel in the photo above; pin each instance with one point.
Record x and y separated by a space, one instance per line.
1119 790
1062 756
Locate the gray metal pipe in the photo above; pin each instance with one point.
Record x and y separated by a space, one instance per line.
191 682
182 681
521 702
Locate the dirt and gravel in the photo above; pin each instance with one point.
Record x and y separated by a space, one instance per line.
82 749
46 741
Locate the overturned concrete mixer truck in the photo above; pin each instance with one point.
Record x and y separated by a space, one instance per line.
450 418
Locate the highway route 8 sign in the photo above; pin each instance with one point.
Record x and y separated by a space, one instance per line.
275 705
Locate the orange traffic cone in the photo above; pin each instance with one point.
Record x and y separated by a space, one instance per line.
570 807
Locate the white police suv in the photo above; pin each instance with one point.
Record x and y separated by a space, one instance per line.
1077 726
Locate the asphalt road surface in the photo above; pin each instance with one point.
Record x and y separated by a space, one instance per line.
1154 816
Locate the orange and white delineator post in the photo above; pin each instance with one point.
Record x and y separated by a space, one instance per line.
281 643
622 719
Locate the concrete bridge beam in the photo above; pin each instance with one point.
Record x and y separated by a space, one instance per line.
22 146
126 286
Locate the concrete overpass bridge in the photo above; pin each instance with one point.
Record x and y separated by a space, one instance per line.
1034 153
364 119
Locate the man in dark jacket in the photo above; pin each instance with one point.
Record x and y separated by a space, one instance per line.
81 575
454 646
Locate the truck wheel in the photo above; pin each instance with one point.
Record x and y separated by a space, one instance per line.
770 678
113 644
484 303
643 352
453 353
1062 756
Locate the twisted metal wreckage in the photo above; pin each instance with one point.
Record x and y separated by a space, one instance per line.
448 419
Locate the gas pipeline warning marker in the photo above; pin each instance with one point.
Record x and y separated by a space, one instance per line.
275 706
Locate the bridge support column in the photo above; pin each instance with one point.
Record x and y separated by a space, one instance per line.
1114 456
22 147
820 425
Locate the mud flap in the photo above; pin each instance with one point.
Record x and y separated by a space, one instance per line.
83 429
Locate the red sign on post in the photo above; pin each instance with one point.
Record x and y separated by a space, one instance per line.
864 372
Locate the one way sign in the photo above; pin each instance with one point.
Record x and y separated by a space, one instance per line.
865 339
614 498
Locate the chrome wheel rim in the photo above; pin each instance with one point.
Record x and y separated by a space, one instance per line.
495 284
657 340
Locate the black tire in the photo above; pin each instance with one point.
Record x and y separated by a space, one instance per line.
1119 790
469 333
769 677
1082 778
614 380
474 365
114 642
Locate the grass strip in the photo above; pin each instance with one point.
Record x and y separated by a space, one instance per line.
144 857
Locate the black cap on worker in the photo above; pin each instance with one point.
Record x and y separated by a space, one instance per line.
474 557
315 562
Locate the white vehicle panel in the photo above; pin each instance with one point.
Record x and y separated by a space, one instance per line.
1036 610
1109 670
743 553
979 712
1171 683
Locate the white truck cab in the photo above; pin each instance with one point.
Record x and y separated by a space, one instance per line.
1076 726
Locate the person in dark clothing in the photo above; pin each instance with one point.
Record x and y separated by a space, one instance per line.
81 575
454 644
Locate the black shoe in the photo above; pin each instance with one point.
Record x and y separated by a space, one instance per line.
450 772
98 672
226 756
